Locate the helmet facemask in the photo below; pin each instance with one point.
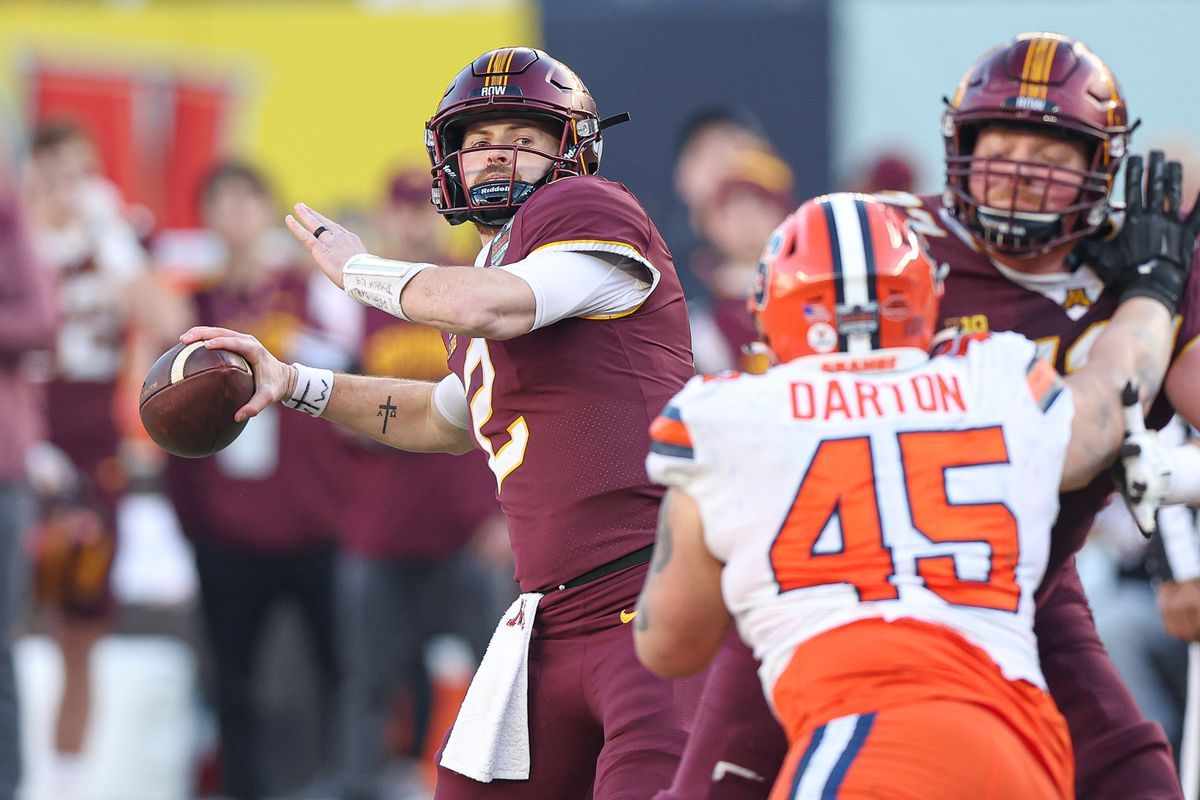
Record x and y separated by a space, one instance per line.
493 202
1025 232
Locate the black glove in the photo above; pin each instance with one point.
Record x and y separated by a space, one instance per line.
1151 254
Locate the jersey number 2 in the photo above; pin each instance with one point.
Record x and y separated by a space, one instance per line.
865 561
503 459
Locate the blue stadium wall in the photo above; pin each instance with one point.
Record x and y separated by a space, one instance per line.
665 60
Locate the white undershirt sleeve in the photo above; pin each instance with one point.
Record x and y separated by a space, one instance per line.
450 400
583 284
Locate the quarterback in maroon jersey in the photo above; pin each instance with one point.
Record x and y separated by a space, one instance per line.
565 339
1034 137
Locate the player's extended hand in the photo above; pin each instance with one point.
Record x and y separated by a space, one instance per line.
332 249
1151 254
1179 604
272 378
1143 469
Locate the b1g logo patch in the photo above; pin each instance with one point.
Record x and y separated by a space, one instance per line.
500 245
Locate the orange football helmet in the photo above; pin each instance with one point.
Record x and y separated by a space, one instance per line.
844 273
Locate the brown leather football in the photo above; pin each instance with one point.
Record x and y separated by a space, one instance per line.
189 398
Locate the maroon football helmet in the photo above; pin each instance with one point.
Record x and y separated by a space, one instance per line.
510 82
1047 82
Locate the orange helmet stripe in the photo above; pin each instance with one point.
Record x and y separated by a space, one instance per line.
508 64
1047 67
1035 73
491 65
1027 67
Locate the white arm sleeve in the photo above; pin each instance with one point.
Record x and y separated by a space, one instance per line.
450 400
578 284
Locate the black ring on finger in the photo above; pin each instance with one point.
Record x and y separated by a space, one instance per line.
317 233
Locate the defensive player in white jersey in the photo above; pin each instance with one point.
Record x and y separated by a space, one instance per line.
875 521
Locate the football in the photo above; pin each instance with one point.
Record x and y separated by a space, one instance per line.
189 397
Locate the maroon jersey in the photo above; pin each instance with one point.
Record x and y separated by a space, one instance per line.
562 412
273 490
980 298
80 400
408 507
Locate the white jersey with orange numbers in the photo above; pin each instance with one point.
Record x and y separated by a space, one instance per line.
832 497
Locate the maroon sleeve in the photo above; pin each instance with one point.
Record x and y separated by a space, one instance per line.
583 213
26 300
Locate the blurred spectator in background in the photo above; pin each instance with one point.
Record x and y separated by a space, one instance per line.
402 577
259 513
746 205
1113 566
406 223
708 145
94 256
27 319
888 171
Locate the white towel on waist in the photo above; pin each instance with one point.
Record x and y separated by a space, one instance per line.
490 737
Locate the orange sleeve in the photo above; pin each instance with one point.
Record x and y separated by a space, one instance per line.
1045 384
669 435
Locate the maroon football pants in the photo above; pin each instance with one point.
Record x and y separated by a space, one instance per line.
600 725
736 747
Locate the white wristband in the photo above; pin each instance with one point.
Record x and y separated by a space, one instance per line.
1185 475
378 282
313 388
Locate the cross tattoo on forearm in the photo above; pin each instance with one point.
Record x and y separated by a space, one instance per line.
387 411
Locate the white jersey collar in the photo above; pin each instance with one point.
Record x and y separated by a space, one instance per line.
1073 292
